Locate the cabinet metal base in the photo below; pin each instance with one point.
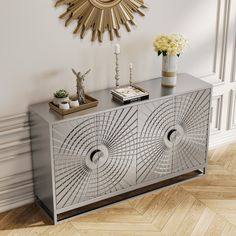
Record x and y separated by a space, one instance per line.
119 198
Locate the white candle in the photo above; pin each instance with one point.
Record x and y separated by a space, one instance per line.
117 48
131 65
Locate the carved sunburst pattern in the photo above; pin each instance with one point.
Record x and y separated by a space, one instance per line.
101 15
109 153
172 135
95 156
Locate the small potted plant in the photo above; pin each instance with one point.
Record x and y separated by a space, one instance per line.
171 47
60 96
64 106
74 102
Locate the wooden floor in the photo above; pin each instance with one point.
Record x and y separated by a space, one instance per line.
206 206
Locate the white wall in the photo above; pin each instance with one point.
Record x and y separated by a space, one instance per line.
37 53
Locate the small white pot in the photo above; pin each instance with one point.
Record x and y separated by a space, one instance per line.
74 103
169 70
64 106
58 101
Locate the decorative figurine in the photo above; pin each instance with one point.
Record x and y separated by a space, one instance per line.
130 74
80 85
117 76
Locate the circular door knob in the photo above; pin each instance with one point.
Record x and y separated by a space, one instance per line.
96 155
173 136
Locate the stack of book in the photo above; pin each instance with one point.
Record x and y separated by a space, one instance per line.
129 94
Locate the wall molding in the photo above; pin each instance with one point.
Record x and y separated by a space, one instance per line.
223 139
216 114
16 184
234 59
15 121
217 76
232 109
14 150
16 190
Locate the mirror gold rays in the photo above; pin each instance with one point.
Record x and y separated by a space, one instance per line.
101 16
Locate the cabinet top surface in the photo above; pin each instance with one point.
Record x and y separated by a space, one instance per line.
185 83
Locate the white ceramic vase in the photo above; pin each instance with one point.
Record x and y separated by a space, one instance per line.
58 101
64 106
74 103
169 70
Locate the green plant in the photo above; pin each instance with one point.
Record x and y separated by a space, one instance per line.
61 94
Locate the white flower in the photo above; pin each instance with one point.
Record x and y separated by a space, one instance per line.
173 44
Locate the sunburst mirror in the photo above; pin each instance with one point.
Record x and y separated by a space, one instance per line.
101 16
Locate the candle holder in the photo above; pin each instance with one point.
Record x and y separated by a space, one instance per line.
117 76
130 93
130 76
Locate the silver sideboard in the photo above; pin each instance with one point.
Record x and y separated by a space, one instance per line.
113 152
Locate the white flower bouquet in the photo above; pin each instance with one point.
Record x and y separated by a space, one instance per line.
173 44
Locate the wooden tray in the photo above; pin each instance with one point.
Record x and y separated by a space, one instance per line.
90 102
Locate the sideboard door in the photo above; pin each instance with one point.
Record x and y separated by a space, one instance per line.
117 135
72 143
190 135
156 121
173 135
95 156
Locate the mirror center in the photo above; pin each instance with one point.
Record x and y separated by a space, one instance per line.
103 4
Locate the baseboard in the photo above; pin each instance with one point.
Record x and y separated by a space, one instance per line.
223 138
